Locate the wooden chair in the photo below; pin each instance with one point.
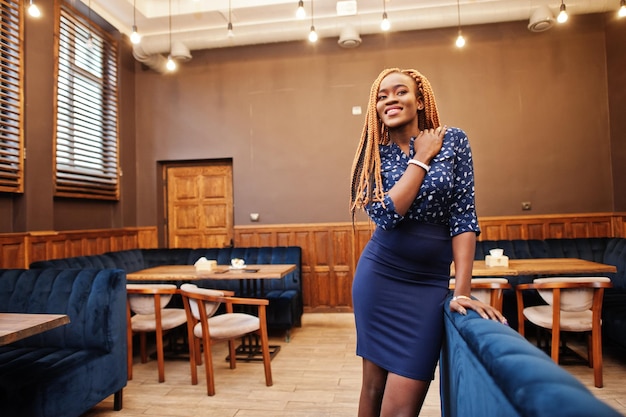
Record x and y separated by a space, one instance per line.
146 313
205 328
574 304
487 290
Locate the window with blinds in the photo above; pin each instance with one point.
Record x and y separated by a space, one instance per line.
87 110
11 98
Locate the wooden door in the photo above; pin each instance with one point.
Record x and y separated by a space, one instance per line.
199 205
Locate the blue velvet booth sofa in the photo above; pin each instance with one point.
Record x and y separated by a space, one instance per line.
610 251
64 372
285 295
489 370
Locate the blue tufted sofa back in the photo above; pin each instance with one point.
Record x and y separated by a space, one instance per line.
489 370
91 298
65 371
90 261
285 295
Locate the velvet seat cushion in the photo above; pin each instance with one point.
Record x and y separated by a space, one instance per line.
571 321
575 306
228 326
222 326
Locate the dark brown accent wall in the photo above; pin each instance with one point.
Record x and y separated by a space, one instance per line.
544 113
535 106
616 74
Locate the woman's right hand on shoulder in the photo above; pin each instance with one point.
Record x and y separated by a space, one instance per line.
428 143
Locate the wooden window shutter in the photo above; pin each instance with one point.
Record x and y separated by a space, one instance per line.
86 139
11 97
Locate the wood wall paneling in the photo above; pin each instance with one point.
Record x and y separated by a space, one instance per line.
20 250
330 251
13 250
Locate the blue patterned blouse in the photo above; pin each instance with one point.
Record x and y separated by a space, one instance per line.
446 196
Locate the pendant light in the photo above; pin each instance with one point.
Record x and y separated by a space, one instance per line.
562 17
385 25
312 33
230 32
622 9
33 10
135 37
460 40
300 12
171 64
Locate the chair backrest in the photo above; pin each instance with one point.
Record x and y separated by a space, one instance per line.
487 290
578 298
188 290
142 302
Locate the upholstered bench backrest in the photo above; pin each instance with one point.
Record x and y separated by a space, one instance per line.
165 256
590 249
615 254
130 260
90 297
514 249
89 261
489 370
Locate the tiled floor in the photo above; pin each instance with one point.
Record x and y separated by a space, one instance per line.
316 374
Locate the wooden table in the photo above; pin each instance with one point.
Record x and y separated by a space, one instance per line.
17 326
251 275
189 273
544 266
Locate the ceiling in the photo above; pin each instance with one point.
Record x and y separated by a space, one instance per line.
202 24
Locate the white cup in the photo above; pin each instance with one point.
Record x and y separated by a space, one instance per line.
237 263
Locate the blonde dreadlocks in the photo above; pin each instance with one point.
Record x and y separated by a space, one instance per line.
366 184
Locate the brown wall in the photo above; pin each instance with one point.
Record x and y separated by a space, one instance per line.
535 106
37 209
616 70
544 113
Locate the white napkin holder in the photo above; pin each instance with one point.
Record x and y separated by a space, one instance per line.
496 260
496 257
204 264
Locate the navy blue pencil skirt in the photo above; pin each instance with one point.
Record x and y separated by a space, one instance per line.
400 285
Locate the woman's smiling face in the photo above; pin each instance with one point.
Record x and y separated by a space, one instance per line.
397 103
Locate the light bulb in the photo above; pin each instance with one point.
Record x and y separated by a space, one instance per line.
89 42
171 64
135 37
301 12
33 10
231 34
460 41
385 25
562 17
312 34
622 9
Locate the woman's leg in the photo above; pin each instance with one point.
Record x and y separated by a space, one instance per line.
372 389
403 396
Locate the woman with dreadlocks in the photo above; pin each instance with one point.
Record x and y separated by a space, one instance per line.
415 180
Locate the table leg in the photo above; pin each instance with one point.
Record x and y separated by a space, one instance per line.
250 350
